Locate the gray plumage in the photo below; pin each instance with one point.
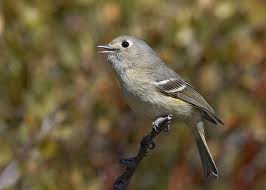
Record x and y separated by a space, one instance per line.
152 89
188 94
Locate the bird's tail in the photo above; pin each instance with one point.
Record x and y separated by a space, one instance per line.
209 167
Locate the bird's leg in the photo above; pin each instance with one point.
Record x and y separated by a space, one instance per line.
157 127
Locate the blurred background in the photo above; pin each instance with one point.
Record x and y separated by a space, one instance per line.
64 124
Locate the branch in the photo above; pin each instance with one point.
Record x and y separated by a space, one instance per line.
159 125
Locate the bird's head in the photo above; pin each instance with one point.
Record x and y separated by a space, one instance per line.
125 51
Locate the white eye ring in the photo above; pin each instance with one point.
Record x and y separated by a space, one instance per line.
125 43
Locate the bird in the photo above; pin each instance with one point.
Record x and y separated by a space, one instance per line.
152 90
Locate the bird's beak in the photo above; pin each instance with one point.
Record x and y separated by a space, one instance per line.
106 49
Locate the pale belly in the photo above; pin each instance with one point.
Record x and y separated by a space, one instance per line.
147 102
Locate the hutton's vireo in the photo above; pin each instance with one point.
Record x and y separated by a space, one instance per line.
152 89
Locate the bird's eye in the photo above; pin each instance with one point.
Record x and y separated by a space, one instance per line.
125 44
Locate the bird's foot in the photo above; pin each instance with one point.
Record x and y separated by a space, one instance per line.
157 124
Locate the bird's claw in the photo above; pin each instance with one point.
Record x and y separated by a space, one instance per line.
156 124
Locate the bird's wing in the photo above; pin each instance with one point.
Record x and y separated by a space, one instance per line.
178 88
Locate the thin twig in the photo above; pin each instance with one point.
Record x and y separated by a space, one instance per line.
159 125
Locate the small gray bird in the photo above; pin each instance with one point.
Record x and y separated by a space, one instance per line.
153 90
